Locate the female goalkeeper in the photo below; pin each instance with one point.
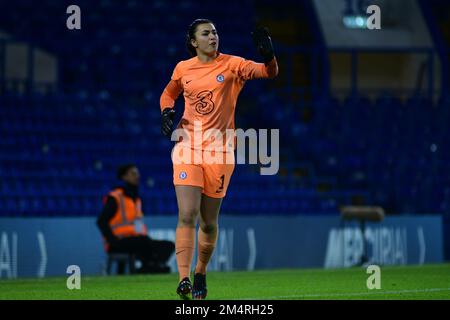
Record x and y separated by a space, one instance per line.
210 82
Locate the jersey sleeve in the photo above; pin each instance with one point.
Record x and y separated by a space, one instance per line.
170 94
172 90
248 69
177 72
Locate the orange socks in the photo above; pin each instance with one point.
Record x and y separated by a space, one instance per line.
184 249
206 245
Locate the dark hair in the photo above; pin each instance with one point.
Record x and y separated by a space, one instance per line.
123 170
191 34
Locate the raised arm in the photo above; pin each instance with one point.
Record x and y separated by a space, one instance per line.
269 69
249 69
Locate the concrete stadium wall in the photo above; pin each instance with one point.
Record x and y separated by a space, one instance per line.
40 247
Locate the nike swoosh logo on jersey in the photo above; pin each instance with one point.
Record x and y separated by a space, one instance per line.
188 81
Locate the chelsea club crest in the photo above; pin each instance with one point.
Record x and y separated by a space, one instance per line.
220 78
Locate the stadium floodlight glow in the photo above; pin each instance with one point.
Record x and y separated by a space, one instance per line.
355 22
360 22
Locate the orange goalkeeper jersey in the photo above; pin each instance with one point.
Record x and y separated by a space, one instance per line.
210 92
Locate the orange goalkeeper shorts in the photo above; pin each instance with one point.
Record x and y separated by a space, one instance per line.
205 169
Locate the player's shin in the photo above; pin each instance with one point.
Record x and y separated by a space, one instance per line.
206 244
184 248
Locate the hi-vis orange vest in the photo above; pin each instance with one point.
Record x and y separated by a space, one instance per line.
127 220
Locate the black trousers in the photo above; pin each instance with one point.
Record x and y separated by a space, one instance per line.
153 254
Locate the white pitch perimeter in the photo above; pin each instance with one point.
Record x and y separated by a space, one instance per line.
353 294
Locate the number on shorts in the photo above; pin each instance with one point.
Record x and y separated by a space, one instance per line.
222 180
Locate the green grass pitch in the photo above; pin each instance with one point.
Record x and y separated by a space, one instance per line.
397 282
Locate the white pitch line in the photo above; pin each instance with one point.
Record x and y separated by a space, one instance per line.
353 294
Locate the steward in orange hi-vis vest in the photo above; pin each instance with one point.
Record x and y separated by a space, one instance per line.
127 220
123 229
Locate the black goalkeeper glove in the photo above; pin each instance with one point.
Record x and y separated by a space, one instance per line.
167 121
263 43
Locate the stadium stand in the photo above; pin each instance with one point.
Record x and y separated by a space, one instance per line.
59 145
